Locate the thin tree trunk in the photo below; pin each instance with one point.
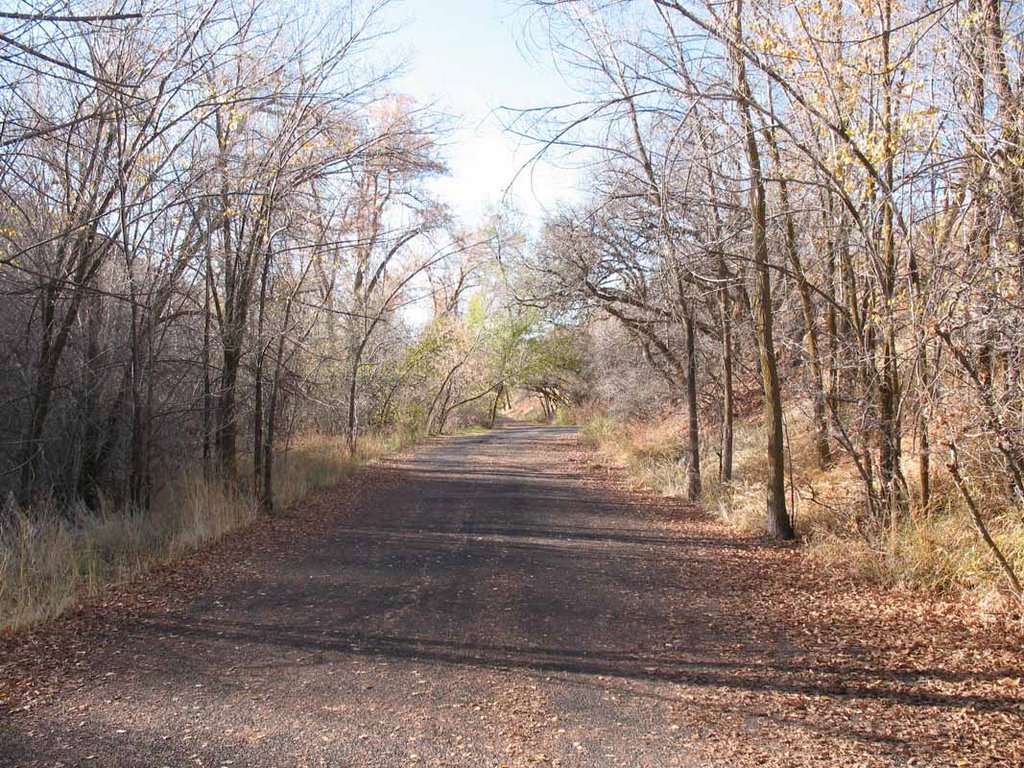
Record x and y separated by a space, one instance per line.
46 374
890 448
818 406
725 318
227 432
953 465
207 383
258 448
728 408
693 480
779 524
87 484
494 407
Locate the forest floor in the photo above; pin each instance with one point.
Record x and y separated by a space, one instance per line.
503 600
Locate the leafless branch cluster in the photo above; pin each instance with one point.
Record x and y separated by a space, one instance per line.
827 192
213 215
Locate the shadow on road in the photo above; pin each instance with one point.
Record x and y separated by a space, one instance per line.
460 561
481 559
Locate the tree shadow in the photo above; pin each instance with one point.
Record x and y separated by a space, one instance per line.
709 669
459 563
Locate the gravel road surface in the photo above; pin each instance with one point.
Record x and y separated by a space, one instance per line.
489 600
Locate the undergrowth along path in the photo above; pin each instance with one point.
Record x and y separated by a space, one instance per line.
501 599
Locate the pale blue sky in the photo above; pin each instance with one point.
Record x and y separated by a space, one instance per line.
467 57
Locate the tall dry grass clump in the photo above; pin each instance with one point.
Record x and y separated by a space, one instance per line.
935 549
52 554
652 452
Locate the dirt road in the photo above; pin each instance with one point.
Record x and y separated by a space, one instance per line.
492 600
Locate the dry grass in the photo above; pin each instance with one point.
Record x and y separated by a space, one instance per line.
311 463
652 452
50 556
936 550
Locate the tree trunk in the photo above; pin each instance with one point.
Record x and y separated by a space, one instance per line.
494 407
779 524
890 438
207 382
350 423
693 481
258 448
46 374
227 430
87 483
728 408
725 317
819 415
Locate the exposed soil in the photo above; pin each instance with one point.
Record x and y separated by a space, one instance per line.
501 599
